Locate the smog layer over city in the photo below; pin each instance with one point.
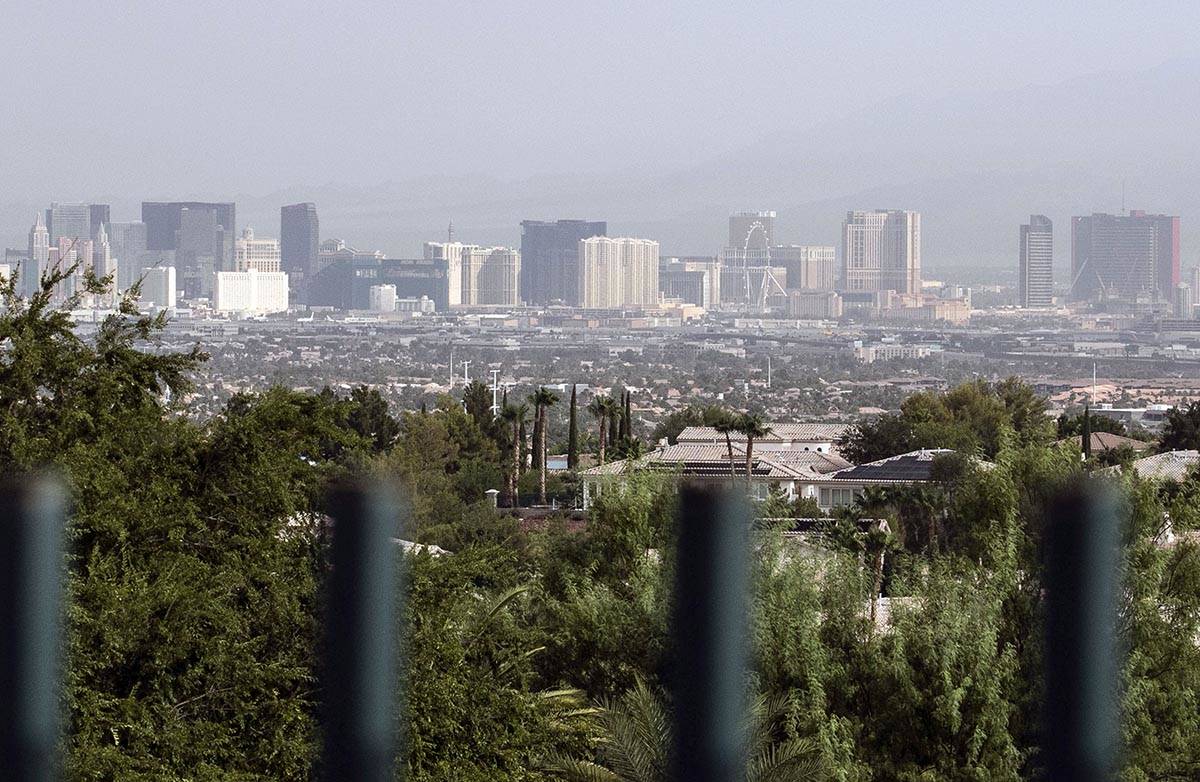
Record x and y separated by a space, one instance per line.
561 391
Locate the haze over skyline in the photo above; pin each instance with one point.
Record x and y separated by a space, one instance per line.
397 118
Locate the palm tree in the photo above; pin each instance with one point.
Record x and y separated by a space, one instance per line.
634 736
727 424
542 400
512 417
752 425
522 440
602 407
877 542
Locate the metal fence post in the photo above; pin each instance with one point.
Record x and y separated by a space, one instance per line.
1080 727
33 514
709 628
360 642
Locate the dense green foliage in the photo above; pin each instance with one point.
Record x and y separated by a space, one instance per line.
903 648
979 418
1182 429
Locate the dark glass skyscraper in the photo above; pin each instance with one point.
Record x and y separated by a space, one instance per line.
1126 258
100 215
69 221
201 235
299 245
550 258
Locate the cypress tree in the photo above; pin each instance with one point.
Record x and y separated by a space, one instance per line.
573 436
537 438
627 422
1086 436
524 450
614 427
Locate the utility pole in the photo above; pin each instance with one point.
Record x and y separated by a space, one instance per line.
451 366
768 371
495 392
466 365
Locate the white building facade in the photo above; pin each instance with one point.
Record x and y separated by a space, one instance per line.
261 255
491 276
382 298
251 292
881 250
618 272
159 287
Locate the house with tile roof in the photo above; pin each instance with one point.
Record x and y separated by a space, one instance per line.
818 437
792 472
1107 441
844 486
1167 466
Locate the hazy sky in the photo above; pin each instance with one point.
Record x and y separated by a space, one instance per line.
128 98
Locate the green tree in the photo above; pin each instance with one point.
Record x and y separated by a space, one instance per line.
726 425
670 427
1181 431
634 736
543 399
369 417
752 426
602 409
573 433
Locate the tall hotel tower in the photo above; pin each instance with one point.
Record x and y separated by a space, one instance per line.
1037 263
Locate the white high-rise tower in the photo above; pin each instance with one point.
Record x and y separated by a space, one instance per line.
881 250
39 256
104 264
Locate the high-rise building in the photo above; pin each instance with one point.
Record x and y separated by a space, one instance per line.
1036 267
1183 305
98 214
382 298
38 259
691 280
490 276
104 264
881 251
158 287
251 292
618 272
752 230
259 254
550 259
299 241
69 221
809 267
200 234
1126 258
452 253
128 242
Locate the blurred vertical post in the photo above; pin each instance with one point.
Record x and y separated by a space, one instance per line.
1080 721
361 640
710 617
33 514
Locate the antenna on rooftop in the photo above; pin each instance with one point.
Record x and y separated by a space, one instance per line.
450 232
1124 212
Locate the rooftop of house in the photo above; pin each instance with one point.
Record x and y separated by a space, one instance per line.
914 466
1169 466
712 460
1107 441
780 433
